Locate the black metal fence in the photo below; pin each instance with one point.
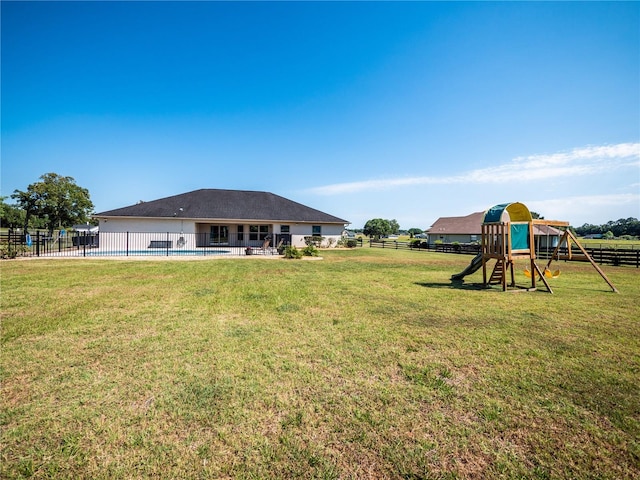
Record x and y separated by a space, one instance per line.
601 254
87 244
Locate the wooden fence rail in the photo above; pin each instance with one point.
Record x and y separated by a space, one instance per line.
602 255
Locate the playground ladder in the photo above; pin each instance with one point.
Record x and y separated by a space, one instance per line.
498 273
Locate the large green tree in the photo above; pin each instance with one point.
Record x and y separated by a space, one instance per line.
56 200
379 227
11 216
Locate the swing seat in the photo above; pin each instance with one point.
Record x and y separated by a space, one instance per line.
549 274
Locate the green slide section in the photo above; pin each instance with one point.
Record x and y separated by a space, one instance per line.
475 264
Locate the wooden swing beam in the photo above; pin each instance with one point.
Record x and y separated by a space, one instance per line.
569 236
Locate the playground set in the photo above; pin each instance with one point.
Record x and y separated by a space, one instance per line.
507 236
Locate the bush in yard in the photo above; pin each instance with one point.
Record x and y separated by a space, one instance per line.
313 240
12 251
291 251
347 242
310 251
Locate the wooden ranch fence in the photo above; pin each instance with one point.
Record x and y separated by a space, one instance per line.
601 254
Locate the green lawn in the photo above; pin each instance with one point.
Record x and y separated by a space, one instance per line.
366 364
600 243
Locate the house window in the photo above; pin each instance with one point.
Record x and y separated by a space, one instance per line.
284 229
316 230
240 233
474 238
258 232
218 234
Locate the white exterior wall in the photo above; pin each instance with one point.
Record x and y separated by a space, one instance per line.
143 231
300 230
145 225
451 238
180 232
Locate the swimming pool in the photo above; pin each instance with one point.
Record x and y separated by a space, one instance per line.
155 252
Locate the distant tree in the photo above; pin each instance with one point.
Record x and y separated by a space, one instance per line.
394 226
588 229
415 231
633 227
11 216
58 201
377 227
536 215
608 235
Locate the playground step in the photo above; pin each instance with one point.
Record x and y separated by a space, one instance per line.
497 274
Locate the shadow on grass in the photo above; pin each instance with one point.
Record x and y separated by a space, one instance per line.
455 284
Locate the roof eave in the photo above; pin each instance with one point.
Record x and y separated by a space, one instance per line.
231 220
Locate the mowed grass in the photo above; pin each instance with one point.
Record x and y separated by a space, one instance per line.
617 243
366 364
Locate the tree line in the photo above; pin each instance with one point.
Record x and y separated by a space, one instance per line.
619 228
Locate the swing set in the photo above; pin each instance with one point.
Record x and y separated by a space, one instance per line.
507 236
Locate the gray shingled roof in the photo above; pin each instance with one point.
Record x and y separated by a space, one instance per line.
225 204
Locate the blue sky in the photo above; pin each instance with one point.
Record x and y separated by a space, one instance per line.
411 110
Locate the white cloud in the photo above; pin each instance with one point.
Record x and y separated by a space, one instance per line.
587 207
584 161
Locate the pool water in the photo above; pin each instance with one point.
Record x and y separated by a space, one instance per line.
156 252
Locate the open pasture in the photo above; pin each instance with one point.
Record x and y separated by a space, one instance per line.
367 364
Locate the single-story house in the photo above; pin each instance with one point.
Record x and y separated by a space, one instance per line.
212 217
86 228
85 234
469 230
